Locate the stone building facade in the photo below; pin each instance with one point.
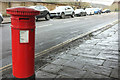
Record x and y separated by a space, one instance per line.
5 5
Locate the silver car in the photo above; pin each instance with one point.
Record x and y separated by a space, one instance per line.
1 18
44 12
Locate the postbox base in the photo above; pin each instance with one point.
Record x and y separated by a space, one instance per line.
29 78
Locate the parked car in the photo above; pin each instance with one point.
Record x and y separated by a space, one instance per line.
62 11
106 11
89 11
97 11
1 18
44 12
80 12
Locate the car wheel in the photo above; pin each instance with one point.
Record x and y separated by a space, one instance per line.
62 16
36 18
0 20
47 17
85 14
80 14
51 17
73 15
77 15
90 13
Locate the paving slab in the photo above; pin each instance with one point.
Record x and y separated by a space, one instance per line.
90 74
43 74
52 68
73 72
94 58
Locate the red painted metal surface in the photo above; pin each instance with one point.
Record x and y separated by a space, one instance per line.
23 19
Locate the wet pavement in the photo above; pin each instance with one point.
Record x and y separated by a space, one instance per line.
96 57
55 31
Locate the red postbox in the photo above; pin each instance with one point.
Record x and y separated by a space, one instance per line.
23 40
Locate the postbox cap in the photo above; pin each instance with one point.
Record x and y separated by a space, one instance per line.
22 11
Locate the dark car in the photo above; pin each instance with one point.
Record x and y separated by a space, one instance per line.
1 18
44 12
106 11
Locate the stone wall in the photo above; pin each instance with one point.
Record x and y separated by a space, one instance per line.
50 6
114 6
0 7
5 5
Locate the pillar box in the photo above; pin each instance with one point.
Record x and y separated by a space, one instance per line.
23 41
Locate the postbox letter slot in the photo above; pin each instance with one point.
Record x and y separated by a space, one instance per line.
23 18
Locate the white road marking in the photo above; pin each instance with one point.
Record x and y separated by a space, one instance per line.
58 38
71 21
79 17
74 32
76 20
68 21
41 43
86 18
44 25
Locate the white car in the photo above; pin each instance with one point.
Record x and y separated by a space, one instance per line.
80 12
1 18
62 11
90 11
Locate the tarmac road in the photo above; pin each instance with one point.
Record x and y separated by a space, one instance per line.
55 31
